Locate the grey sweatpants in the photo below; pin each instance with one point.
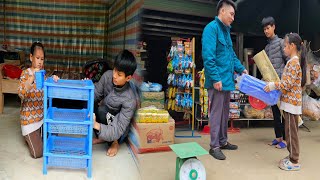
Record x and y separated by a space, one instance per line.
219 116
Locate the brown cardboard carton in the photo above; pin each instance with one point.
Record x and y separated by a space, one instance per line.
153 135
152 99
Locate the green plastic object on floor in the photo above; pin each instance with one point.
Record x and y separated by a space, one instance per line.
188 167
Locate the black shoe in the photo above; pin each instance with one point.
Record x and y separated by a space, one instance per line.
229 146
217 153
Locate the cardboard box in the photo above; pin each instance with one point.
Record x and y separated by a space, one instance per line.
152 115
152 99
158 104
137 150
152 135
153 96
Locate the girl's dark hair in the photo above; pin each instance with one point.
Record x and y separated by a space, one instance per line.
36 45
296 40
125 62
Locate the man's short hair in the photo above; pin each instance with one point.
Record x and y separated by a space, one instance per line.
125 62
221 3
268 21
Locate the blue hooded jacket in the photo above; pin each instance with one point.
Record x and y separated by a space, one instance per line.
219 58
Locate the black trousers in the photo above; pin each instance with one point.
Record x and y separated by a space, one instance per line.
100 116
101 112
278 124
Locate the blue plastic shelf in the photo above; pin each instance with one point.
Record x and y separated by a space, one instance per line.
66 151
69 89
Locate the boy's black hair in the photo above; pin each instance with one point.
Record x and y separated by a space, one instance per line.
268 21
296 40
125 62
225 2
35 45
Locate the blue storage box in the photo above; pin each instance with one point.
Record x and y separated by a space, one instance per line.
254 87
69 89
40 78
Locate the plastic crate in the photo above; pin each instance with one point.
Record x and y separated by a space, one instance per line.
40 78
254 87
62 128
68 115
67 146
72 163
69 89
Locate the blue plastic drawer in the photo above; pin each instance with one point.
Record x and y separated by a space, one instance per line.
67 146
72 163
69 89
68 115
254 87
62 128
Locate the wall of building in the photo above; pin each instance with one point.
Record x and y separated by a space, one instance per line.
72 31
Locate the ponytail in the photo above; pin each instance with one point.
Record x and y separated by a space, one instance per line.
303 64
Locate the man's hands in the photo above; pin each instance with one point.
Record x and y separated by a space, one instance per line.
218 86
245 72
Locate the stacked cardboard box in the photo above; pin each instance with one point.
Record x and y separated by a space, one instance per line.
152 99
153 130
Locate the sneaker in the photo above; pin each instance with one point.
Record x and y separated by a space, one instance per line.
287 165
229 146
286 158
217 153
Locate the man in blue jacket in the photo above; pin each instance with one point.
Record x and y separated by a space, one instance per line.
220 63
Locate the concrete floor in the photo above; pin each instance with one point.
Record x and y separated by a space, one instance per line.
254 159
16 163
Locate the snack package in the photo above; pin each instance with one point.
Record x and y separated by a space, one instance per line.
234 114
310 107
268 113
234 105
250 112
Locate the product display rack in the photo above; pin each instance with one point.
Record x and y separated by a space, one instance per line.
181 77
